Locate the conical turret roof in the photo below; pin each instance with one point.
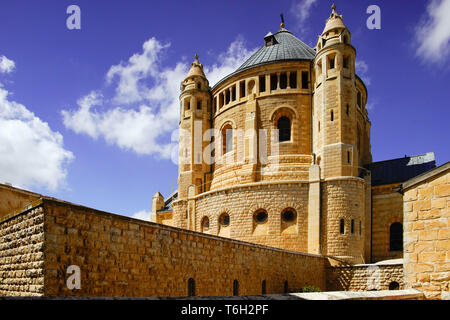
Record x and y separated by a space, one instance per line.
334 21
196 69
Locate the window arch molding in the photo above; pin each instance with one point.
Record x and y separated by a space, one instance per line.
279 115
287 111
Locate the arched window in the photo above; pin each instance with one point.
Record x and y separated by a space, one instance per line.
331 62
284 127
227 138
286 286
352 227
342 226
394 285
263 287
396 237
191 287
346 39
235 288
205 224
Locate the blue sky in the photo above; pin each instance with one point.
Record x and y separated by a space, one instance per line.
87 115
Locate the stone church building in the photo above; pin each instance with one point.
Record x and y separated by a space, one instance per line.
315 189
277 191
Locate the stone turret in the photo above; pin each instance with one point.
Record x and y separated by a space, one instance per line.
338 132
195 122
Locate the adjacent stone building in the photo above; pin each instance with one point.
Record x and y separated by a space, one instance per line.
427 232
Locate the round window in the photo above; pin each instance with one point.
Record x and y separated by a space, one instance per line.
261 217
288 216
205 224
224 220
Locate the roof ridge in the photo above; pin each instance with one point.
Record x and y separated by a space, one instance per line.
405 157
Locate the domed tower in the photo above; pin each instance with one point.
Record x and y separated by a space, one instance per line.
341 140
195 121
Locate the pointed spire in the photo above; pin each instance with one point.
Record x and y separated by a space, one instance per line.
282 21
196 68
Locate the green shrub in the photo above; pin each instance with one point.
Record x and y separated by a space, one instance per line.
311 289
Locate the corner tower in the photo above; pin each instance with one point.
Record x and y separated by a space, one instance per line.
341 126
195 121
340 141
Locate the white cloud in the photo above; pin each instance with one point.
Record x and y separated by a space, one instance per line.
433 32
149 98
31 154
302 10
361 69
6 65
139 67
233 58
142 215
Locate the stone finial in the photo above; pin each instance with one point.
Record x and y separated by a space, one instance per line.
282 21
334 13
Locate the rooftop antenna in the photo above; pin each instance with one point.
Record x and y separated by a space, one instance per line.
282 21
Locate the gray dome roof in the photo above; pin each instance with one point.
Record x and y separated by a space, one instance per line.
287 47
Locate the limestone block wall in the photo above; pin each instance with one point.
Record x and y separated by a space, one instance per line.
121 256
343 198
364 277
427 235
258 109
22 254
242 203
387 208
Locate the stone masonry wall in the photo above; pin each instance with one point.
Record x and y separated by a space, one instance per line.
343 199
241 203
364 277
22 254
121 256
387 208
427 236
